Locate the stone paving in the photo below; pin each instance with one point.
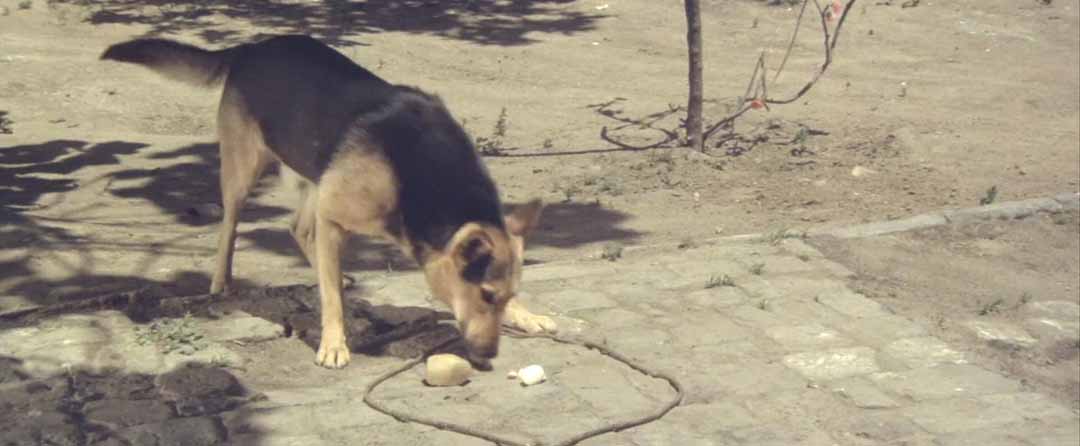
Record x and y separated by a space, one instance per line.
780 353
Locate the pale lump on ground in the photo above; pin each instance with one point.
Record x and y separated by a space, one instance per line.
533 374
447 370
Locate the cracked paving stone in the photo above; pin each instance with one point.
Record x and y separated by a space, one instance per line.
716 298
1001 333
852 304
862 393
990 412
882 330
714 382
834 363
568 301
123 413
711 418
301 419
923 352
239 327
195 381
782 435
944 381
1053 309
50 427
1054 330
89 387
885 427
807 337
202 431
702 331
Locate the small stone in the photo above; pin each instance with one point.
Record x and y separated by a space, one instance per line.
860 171
1001 334
447 370
533 374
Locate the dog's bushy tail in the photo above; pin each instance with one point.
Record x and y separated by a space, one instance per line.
174 60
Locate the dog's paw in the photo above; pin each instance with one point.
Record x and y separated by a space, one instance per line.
533 323
333 354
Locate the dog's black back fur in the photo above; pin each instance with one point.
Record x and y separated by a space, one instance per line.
311 101
443 183
303 95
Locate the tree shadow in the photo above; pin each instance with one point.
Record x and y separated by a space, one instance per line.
5 123
111 406
178 189
345 22
32 176
28 172
29 241
87 402
190 188
562 225
573 224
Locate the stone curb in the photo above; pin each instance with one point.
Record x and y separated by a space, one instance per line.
1007 210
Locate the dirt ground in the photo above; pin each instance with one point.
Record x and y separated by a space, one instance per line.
946 277
109 173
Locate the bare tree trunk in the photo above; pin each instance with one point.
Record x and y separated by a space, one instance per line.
693 42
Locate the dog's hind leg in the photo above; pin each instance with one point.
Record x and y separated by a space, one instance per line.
244 155
302 226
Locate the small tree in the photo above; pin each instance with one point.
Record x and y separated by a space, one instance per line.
831 15
693 106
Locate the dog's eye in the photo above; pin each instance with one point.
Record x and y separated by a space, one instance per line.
488 296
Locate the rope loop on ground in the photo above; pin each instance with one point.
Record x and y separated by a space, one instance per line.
465 430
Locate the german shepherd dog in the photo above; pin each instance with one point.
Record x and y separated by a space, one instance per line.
367 157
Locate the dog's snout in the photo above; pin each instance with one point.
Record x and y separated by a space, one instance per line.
485 350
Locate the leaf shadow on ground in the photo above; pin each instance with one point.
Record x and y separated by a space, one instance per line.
83 397
345 22
37 176
88 406
562 225
189 180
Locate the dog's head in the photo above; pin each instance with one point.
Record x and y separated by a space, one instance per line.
478 272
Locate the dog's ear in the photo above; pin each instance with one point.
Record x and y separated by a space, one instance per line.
472 251
524 218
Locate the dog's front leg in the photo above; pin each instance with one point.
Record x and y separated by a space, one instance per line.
519 317
333 348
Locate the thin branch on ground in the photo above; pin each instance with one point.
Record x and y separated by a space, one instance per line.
646 122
